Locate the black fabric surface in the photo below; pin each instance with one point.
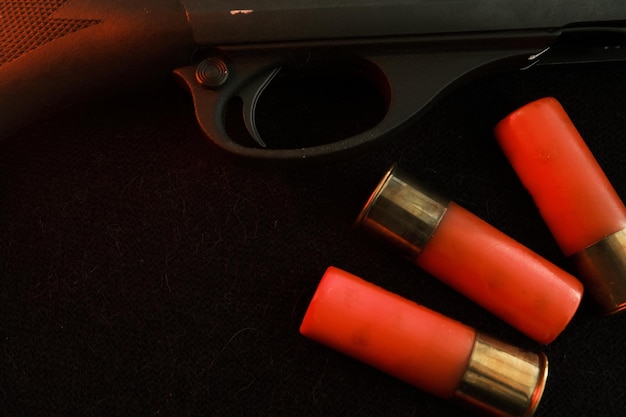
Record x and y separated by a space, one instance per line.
144 272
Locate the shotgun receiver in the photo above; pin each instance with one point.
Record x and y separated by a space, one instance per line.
233 54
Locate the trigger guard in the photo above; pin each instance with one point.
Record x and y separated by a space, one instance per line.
408 97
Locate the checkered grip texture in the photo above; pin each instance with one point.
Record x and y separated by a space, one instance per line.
27 25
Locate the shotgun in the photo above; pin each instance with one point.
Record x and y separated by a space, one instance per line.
396 56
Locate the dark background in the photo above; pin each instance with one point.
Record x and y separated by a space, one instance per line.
145 272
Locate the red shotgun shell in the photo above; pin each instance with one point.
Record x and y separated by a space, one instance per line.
578 203
505 277
423 348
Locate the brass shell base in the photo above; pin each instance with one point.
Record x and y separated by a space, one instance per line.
402 212
602 268
502 380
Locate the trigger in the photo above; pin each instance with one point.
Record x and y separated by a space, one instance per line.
250 96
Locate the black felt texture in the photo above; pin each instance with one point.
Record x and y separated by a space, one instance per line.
146 273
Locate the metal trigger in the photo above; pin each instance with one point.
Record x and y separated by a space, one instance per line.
250 96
